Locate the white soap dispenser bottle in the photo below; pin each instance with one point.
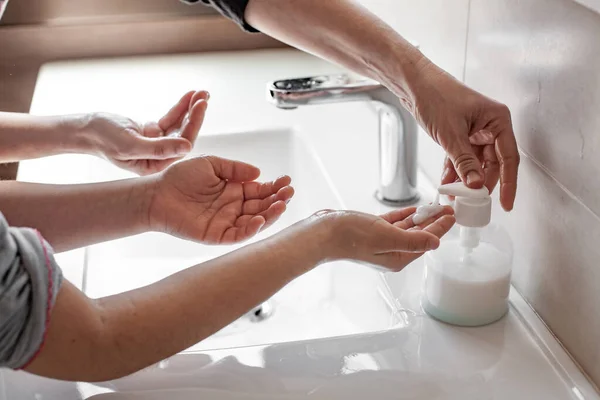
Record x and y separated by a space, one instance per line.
467 279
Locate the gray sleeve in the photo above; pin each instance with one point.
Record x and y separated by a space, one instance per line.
29 283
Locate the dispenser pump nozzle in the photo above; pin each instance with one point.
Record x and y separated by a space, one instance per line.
459 189
472 207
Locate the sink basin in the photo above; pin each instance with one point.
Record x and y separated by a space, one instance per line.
336 299
515 358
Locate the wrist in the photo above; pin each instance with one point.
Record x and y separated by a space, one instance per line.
144 207
402 70
326 228
77 133
305 245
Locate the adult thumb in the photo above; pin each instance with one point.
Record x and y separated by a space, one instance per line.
161 148
467 165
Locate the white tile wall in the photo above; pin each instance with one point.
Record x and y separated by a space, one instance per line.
542 58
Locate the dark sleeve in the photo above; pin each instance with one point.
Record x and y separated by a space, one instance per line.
232 9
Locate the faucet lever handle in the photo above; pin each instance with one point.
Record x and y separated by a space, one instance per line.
322 82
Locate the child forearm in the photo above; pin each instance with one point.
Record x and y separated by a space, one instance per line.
24 136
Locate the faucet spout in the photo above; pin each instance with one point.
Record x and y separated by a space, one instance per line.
398 130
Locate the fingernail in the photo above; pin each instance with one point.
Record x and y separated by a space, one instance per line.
432 244
472 177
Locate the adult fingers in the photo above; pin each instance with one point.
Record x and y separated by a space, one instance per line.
508 155
449 174
465 162
491 167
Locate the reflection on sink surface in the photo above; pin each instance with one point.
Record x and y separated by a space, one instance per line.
336 299
387 364
192 394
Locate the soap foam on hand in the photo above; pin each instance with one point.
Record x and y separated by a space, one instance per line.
425 212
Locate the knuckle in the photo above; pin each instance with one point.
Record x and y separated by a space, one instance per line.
503 110
498 112
512 159
499 109
411 245
159 150
464 160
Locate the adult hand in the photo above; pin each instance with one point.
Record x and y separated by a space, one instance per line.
216 201
475 131
153 146
391 240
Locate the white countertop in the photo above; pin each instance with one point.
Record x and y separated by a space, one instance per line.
516 358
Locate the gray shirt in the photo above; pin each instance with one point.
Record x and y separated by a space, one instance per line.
29 283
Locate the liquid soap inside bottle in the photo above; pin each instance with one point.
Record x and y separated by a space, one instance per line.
467 279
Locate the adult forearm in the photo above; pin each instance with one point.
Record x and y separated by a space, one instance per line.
24 136
124 333
343 32
71 216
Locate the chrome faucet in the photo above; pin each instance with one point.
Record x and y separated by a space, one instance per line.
398 130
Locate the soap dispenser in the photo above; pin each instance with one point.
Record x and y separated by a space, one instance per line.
467 279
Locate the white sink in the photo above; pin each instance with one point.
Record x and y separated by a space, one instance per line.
193 394
516 358
337 299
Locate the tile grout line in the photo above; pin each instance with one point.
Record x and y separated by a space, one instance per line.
558 183
525 153
466 52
